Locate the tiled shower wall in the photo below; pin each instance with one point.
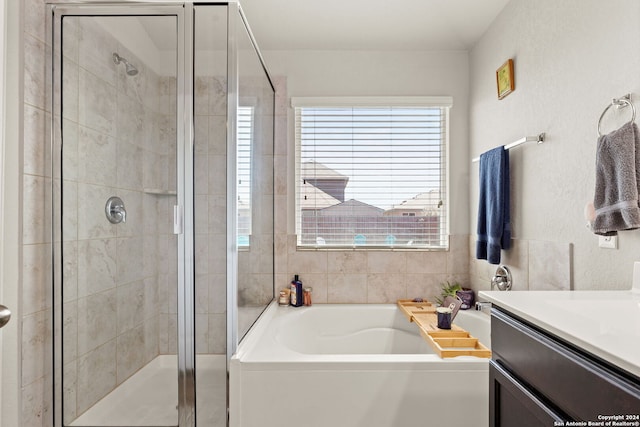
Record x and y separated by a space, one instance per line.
36 307
118 140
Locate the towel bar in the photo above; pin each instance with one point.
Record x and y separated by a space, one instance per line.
538 138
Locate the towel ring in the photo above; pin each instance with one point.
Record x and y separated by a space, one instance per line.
619 102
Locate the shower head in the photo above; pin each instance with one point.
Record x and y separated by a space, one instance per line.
131 70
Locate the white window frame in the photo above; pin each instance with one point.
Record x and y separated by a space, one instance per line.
444 102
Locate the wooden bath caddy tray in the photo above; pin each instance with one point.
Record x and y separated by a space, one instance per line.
446 342
410 308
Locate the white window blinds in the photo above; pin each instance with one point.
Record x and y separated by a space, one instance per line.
245 137
372 172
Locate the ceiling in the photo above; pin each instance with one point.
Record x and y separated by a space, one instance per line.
370 24
355 24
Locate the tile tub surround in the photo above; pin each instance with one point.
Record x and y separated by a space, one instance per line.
371 276
535 265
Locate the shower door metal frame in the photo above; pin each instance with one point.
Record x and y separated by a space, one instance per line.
183 12
232 178
186 258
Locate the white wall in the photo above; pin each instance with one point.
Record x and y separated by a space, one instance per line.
571 58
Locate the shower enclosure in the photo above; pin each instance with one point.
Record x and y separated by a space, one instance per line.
162 152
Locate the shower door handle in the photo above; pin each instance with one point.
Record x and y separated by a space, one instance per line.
177 219
5 315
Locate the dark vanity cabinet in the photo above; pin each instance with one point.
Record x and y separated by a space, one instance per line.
537 379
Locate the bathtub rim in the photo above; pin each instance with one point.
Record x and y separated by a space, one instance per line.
251 357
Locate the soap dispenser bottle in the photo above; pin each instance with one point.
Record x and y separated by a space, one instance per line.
296 292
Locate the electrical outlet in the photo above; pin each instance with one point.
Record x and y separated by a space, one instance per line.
608 242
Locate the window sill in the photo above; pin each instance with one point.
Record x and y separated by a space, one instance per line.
327 248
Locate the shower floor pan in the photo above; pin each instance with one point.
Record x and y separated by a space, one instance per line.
150 397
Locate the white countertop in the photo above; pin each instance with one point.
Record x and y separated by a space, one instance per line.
604 323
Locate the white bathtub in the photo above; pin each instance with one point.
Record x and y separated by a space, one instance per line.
354 365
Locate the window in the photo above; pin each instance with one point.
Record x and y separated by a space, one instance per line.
372 172
245 138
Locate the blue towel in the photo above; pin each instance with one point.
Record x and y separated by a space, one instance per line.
494 219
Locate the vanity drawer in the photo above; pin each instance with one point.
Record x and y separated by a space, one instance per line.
574 382
513 404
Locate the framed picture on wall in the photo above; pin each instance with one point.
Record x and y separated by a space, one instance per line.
504 79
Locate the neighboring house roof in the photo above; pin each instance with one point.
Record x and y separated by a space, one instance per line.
325 179
314 170
430 199
314 198
352 207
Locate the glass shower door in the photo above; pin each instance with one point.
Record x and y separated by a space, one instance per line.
117 116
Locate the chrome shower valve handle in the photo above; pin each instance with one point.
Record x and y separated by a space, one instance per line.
5 315
115 211
502 279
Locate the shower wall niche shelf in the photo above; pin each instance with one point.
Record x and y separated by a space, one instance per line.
160 192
